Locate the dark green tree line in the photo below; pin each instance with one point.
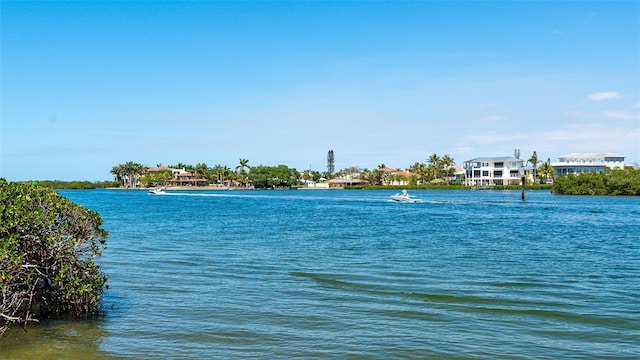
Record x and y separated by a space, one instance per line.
609 182
268 177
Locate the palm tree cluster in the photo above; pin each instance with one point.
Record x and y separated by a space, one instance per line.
546 171
436 168
132 174
128 173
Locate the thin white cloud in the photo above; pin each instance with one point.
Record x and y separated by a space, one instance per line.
607 95
573 113
494 138
623 115
554 142
610 114
494 118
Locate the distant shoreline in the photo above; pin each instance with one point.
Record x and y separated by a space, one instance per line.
209 187
183 188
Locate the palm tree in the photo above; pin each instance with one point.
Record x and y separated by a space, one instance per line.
401 178
391 179
534 161
447 160
201 169
420 170
547 170
447 163
127 170
130 171
433 160
190 168
218 173
241 167
118 172
137 171
435 163
429 173
179 166
374 176
226 173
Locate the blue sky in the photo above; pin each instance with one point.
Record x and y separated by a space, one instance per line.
89 85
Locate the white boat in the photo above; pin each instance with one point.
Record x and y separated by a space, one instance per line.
404 197
156 191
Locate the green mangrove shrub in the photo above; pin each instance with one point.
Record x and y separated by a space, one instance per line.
610 182
47 249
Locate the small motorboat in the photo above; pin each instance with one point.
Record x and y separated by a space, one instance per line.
156 191
404 197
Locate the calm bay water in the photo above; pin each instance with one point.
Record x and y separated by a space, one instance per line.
349 274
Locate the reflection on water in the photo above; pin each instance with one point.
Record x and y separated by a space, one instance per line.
63 340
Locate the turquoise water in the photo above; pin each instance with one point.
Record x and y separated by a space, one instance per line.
349 274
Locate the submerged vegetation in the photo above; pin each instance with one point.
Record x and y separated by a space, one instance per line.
47 247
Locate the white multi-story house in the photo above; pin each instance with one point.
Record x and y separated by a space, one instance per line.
577 163
490 171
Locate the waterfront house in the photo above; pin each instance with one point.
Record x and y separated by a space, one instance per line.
156 169
345 181
393 176
401 178
386 173
310 184
387 170
577 163
455 173
186 179
491 171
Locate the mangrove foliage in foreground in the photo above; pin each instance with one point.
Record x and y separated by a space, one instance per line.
47 250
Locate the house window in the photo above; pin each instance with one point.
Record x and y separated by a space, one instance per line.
485 173
499 165
497 173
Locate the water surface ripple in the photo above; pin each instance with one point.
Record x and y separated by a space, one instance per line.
349 274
